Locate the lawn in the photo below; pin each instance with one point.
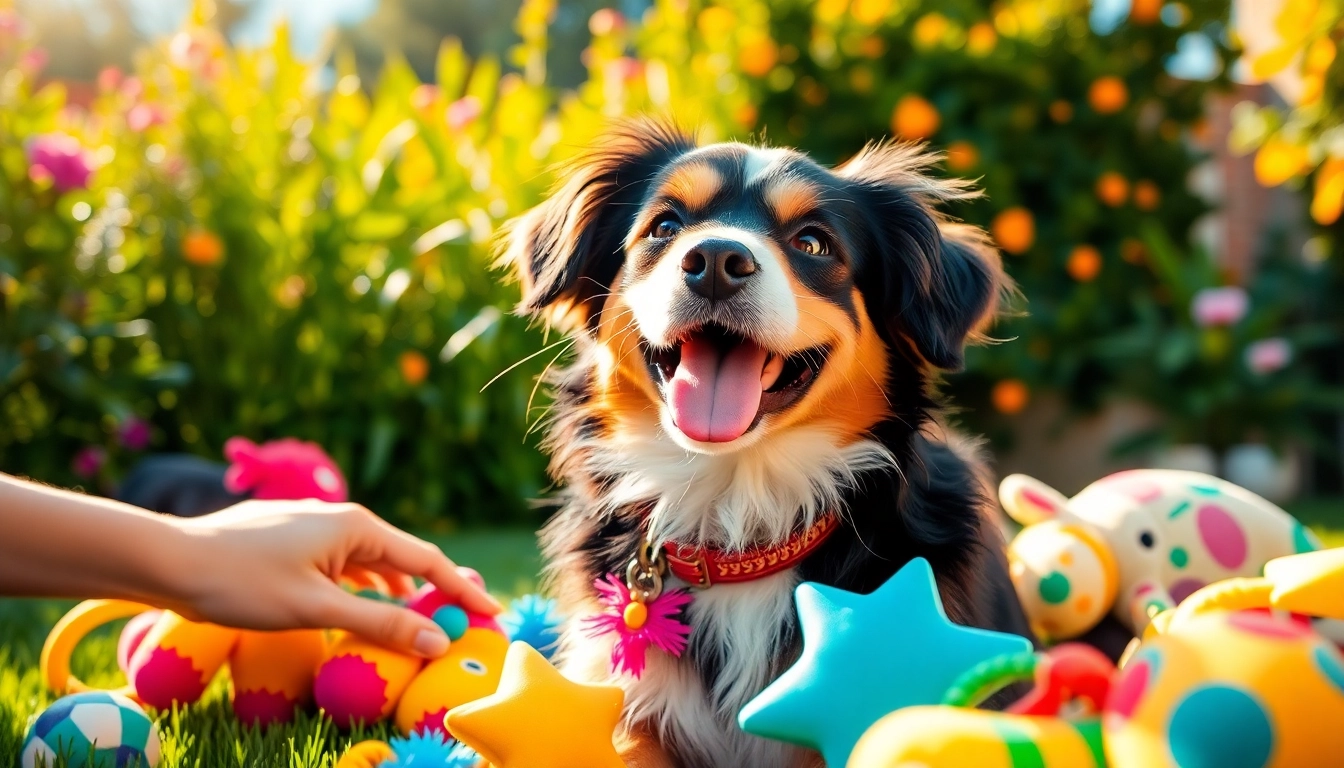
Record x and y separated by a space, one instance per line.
207 736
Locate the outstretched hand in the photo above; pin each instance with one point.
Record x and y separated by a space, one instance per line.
276 565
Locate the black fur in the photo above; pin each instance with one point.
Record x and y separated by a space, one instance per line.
177 484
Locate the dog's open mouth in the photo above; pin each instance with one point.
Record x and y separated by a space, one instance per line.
719 383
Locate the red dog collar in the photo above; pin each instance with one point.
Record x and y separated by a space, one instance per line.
702 567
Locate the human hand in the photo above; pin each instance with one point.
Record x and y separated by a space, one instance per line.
275 564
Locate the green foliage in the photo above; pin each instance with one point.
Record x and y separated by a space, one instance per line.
269 259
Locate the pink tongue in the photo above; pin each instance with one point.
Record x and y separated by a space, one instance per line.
714 398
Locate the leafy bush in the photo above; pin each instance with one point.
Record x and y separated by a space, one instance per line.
257 255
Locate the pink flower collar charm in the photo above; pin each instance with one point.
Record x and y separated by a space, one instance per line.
640 613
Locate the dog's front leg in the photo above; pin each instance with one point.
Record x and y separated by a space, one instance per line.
640 749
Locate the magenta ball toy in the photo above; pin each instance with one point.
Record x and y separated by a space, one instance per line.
131 636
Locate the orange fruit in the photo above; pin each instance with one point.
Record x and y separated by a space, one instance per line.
758 56
414 367
1084 263
1112 189
962 155
1146 195
915 118
202 248
1133 251
745 115
981 39
1328 199
1145 11
1061 111
1014 230
1009 396
1108 95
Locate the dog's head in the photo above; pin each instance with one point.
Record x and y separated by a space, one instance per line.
737 291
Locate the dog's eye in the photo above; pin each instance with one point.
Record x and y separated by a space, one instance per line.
812 242
665 226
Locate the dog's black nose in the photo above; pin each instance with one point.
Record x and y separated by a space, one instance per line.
717 268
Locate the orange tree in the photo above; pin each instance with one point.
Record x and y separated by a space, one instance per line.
1078 138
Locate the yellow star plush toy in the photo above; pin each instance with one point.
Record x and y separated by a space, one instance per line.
538 718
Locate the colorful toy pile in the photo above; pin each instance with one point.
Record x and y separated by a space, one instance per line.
1136 543
169 660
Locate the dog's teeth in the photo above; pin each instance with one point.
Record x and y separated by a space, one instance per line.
774 364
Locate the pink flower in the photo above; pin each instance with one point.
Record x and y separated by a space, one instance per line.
142 116
10 23
661 628
132 88
625 69
462 112
134 433
424 95
1269 355
33 61
89 461
108 79
61 159
605 21
1219 306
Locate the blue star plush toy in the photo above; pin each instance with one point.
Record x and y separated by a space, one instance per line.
865 656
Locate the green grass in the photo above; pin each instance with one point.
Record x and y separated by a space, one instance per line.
206 735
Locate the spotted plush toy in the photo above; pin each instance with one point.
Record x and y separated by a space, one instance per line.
1136 543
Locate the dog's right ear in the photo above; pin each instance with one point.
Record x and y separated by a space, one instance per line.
567 251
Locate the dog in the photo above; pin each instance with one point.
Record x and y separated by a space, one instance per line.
754 343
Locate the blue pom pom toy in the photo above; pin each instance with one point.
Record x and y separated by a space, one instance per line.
534 620
429 749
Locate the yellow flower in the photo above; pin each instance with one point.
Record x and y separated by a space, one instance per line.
758 55
869 11
1146 195
1084 263
915 118
1108 95
716 23
1320 56
1014 230
929 30
202 248
1278 161
981 39
962 156
1010 396
414 367
1328 200
1112 189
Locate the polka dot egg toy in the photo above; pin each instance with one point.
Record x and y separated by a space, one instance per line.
97 729
1229 689
1135 544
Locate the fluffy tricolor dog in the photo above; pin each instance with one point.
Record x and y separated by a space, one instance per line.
750 398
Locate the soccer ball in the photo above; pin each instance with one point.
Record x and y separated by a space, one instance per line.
96 729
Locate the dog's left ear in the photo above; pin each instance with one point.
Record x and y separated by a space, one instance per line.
929 281
567 251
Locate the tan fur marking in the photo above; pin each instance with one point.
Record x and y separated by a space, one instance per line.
694 184
791 198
